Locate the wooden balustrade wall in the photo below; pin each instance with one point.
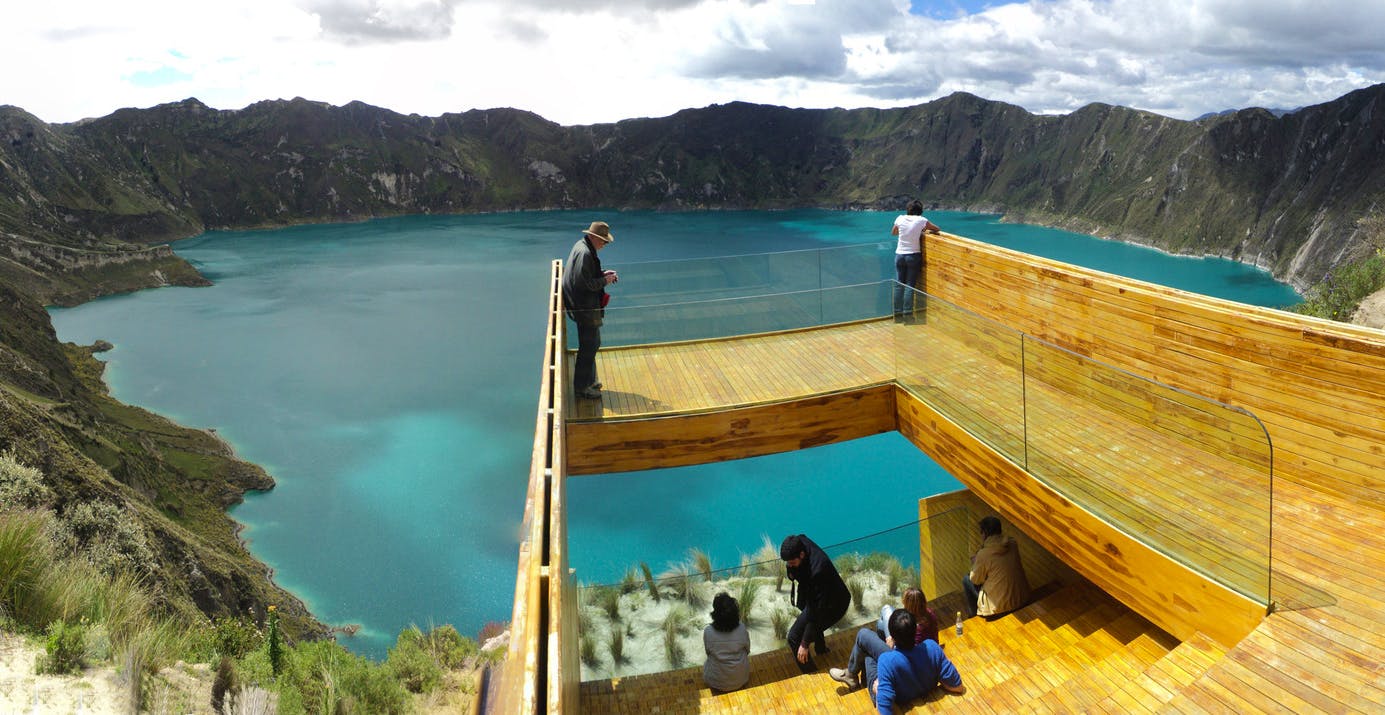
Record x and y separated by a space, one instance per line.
1318 386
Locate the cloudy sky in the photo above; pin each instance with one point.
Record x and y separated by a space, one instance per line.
592 61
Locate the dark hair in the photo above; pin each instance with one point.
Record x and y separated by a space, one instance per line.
791 547
726 613
915 208
902 628
990 526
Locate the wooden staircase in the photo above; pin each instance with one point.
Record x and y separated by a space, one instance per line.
1074 650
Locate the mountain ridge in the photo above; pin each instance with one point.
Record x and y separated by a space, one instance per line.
1280 192
87 209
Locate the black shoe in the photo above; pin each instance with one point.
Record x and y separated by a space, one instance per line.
596 385
589 393
809 667
821 648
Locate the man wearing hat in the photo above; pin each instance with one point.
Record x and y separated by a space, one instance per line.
584 298
819 593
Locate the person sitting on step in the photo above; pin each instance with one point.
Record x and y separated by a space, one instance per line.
996 584
916 603
896 670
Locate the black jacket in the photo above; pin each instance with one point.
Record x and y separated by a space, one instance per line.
819 589
583 282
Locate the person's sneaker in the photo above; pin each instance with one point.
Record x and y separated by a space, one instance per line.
590 393
841 676
596 386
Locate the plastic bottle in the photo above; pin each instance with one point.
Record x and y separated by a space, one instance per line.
959 623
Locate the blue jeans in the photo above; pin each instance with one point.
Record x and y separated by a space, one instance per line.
883 627
866 653
907 267
973 594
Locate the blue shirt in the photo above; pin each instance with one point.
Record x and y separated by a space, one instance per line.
904 675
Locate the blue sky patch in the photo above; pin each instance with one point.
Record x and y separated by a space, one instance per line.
158 77
949 9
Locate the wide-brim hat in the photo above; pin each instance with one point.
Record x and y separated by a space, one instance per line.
600 230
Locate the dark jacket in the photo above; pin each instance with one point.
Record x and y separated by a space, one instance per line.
583 283
819 589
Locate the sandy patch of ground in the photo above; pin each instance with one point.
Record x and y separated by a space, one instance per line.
1371 313
97 691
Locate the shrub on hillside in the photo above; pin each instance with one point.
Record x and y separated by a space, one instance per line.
21 486
110 538
64 649
412 662
1341 291
323 678
443 644
230 637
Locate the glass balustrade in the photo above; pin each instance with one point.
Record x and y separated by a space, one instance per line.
1187 475
708 298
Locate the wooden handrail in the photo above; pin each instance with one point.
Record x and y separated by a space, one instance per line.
523 681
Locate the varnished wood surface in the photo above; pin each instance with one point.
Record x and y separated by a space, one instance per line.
681 378
1318 388
1180 600
603 447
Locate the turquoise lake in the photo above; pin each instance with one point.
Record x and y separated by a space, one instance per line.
385 373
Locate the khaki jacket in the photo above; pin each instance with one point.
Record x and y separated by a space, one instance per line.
996 570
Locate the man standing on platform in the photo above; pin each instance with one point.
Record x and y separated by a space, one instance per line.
819 593
584 299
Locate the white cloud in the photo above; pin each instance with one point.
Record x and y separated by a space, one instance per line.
589 61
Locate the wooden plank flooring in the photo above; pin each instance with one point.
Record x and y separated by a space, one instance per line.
679 378
1322 651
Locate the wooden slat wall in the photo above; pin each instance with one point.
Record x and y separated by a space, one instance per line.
1318 386
1175 598
949 534
621 446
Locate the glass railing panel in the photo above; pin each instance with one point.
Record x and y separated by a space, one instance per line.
1189 475
850 265
746 315
703 279
966 367
652 619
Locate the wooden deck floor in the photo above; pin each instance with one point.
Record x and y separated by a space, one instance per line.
1321 652
676 378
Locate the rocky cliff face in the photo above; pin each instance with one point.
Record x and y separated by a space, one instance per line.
1280 192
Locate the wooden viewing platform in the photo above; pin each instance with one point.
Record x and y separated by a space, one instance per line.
1137 631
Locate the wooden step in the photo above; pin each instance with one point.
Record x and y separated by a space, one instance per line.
991 652
1007 663
1099 661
